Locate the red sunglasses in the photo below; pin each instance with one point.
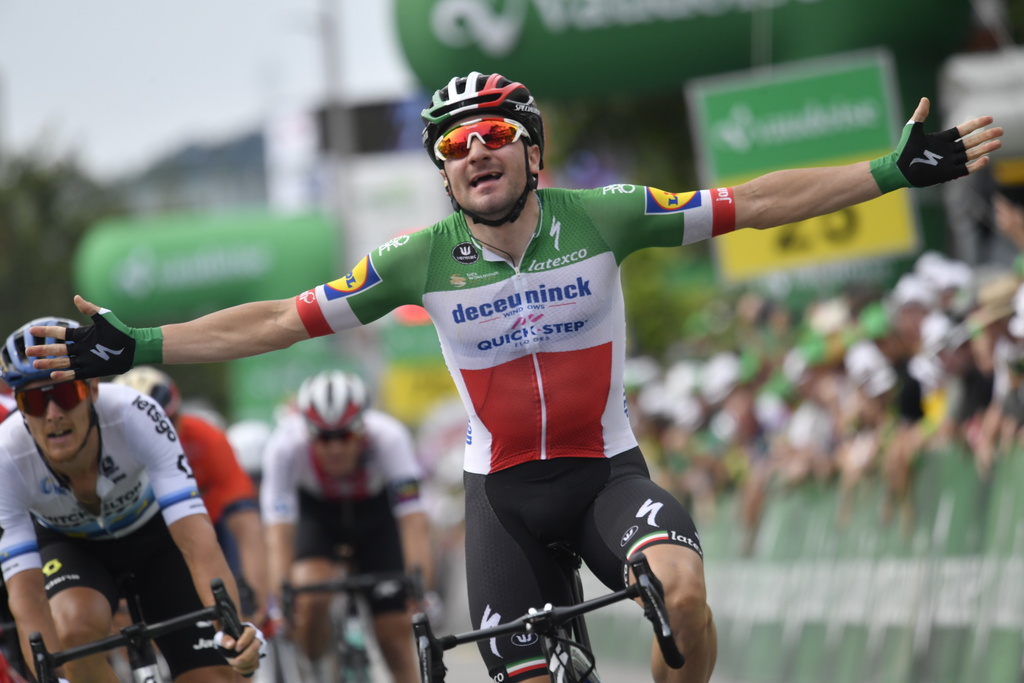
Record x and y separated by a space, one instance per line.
66 395
493 133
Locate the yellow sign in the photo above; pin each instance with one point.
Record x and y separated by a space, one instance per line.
52 567
883 226
410 392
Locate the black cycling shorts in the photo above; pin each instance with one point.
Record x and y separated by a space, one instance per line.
368 528
603 508
160 577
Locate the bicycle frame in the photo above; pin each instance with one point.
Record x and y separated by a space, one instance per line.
546 623
136 635
352 658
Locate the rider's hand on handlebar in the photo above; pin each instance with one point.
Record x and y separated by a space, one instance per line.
431 605
250 647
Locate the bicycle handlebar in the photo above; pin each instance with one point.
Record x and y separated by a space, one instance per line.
223 610
652 595
354 583
545 621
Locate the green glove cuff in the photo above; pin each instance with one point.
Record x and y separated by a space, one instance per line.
149 345
884 170
149 341
886 175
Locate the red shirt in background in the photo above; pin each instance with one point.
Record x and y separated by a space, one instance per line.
222 482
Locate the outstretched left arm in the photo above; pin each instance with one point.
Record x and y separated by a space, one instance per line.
921 159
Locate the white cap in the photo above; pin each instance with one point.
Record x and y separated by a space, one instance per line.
640 370
930 267
927 370
935 329
868 369
912 289
794 366
940 273
719 376
248 439
682 378
1016 324
956 275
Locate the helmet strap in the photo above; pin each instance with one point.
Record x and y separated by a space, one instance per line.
517 208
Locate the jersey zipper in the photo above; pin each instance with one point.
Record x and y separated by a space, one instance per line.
533 354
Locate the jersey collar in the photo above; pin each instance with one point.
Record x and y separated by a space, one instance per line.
495 257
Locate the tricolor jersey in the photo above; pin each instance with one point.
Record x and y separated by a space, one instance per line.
536 350
143 472
387 463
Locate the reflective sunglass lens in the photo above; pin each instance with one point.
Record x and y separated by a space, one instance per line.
494 134
66 395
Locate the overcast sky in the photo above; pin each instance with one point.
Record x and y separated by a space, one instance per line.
122 82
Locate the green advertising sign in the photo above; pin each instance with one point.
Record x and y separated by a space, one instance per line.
800 115
816 113
169 268
260 384
571 48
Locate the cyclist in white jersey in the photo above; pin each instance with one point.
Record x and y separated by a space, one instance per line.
340 486
94 486
523 288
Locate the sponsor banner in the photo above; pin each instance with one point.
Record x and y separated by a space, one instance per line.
821 113
604 47
162 269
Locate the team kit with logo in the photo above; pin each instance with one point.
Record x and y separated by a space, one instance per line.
536 352
145 485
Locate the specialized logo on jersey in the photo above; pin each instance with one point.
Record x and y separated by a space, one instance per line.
465 253
659 201
362 277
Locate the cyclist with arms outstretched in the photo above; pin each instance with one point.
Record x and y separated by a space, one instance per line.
94 487
523 288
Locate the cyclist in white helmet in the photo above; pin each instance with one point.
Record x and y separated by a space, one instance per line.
341 486
94 487
522 285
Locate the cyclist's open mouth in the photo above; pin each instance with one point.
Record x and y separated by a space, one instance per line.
58 435
485 178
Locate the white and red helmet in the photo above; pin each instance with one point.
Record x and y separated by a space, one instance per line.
333 401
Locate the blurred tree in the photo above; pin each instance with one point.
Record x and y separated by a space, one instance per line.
46 205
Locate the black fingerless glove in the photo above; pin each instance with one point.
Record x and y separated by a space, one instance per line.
109 347
921 159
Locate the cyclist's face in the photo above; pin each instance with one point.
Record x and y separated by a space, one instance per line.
339 457
488 182
61 432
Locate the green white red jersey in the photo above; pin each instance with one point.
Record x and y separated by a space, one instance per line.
536 350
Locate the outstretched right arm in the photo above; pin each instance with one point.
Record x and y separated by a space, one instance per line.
108 347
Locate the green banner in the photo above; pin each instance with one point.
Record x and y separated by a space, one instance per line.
170 268
570 48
